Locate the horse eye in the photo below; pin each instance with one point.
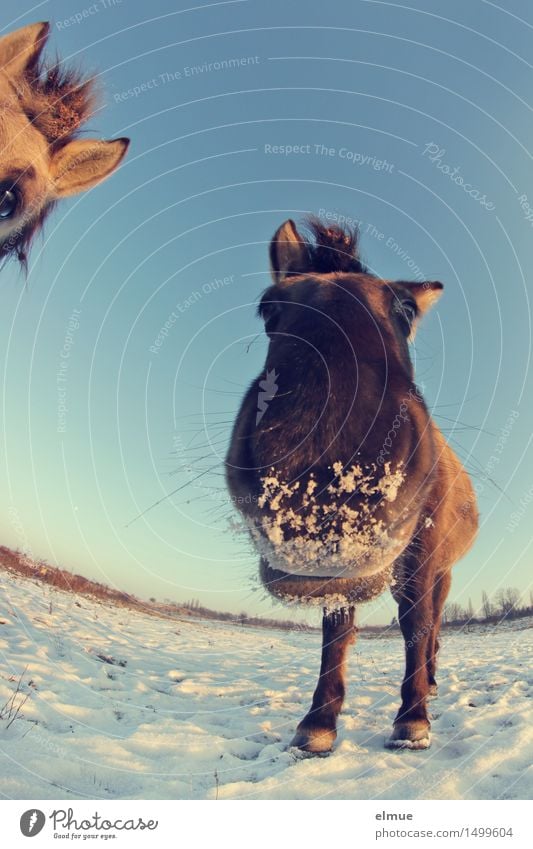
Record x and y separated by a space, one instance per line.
406 310
270 311
8 202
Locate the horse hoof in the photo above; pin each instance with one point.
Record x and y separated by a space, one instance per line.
409 735
316 741
433 691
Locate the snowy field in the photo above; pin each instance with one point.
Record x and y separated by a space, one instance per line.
206 710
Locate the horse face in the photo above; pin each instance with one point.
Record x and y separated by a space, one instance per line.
340 459
41 161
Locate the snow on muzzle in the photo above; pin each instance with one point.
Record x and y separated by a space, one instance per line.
352 526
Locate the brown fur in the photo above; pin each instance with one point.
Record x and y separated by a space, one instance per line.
338 348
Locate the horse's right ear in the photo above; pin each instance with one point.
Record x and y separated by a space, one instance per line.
20 50
288 252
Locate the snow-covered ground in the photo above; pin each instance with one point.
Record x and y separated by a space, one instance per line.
200 710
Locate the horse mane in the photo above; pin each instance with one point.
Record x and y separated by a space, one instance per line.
57 100
332 247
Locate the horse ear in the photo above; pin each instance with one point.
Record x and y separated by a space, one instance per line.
20 50
425 294
288 252
83 163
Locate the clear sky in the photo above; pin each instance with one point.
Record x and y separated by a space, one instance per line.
386 107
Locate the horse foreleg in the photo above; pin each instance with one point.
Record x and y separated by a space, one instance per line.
318 729
440 593
411 726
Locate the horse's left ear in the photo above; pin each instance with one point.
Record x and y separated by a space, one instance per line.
288 252
426 294
20 50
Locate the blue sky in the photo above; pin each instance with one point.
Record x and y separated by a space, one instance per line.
416 125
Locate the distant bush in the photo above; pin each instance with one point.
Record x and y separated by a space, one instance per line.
505 605
19 562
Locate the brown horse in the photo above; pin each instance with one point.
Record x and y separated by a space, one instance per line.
346 483
41 160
